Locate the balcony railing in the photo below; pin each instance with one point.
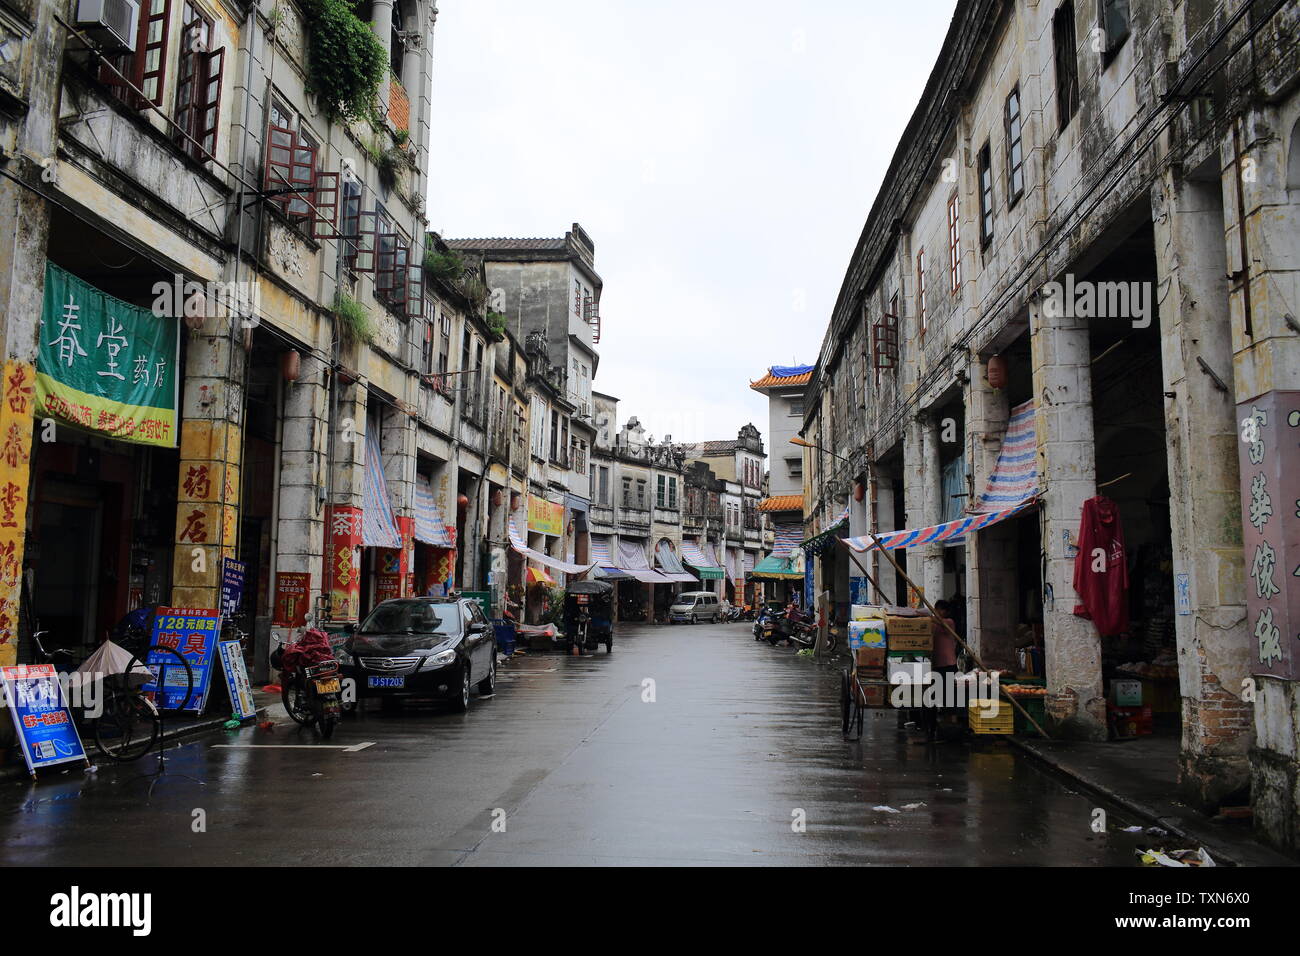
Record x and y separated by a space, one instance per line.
635 517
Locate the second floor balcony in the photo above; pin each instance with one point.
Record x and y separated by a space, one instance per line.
634 517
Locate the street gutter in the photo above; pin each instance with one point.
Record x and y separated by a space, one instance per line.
17 770
1243 854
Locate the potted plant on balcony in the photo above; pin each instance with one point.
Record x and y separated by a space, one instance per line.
346 62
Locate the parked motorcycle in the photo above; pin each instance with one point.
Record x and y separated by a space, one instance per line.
310 686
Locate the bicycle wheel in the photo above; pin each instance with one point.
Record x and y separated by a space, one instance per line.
173 683
128 727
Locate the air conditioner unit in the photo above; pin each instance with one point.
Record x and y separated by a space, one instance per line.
110 23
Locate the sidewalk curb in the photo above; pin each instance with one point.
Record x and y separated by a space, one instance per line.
1141 810
18 770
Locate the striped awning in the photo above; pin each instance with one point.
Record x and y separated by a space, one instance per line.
429 526
1015 477
378 522
521 545
1012 488
670 566
936 534
633 562
705 565
788 535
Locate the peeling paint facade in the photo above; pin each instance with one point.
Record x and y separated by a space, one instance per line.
220 165
1093 208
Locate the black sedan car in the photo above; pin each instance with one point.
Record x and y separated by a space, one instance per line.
423 647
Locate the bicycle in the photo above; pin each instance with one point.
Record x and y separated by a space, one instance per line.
129 722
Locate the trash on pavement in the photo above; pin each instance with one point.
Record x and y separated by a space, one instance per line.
231 724
884 809
266 725
1176 858
913 806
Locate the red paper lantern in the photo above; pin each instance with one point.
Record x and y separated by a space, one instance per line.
462 503
996 371
859 492
291 365
497 498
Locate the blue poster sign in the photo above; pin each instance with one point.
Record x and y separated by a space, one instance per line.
192 633
232 585
237 684
44 723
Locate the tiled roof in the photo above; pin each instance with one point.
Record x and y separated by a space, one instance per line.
505 243
782 503
712 449
769 380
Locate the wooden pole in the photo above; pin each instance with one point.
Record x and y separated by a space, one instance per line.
957 637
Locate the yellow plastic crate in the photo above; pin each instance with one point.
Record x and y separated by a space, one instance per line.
1002 723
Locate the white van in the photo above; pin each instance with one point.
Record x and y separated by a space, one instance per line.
695 606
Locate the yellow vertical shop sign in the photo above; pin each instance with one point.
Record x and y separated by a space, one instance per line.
15 480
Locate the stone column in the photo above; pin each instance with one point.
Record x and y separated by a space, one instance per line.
1201 436
881 569
914 493
342 576
990 557
381 22
207 508
1266 384
1062 376
931 569
304 447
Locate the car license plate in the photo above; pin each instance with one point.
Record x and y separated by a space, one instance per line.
584 598
386 682
329 686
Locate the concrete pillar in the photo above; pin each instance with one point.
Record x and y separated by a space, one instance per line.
23 246
914 493
881 569
1062 375
931 569
1201 437
304 446
207 507
381 21
990 569
1266 384
342 576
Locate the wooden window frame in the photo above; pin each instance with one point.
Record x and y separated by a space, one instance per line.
1065 47
984 181
954 243
1015 131
921 313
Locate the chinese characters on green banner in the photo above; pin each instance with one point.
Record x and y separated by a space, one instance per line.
105 365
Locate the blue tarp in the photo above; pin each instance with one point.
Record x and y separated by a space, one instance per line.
785 371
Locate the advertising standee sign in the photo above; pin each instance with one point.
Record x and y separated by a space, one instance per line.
191 633
44 724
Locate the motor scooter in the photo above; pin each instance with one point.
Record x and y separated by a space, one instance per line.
310 684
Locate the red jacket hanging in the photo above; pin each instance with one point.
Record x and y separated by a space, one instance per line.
1103 594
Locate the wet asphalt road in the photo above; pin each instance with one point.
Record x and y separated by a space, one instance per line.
739 737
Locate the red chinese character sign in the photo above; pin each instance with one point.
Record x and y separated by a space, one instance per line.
292 598
343 561
16 408
1269 456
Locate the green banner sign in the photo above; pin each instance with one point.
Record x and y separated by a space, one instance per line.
105 365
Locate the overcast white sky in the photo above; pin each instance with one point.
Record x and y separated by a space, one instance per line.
722 155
